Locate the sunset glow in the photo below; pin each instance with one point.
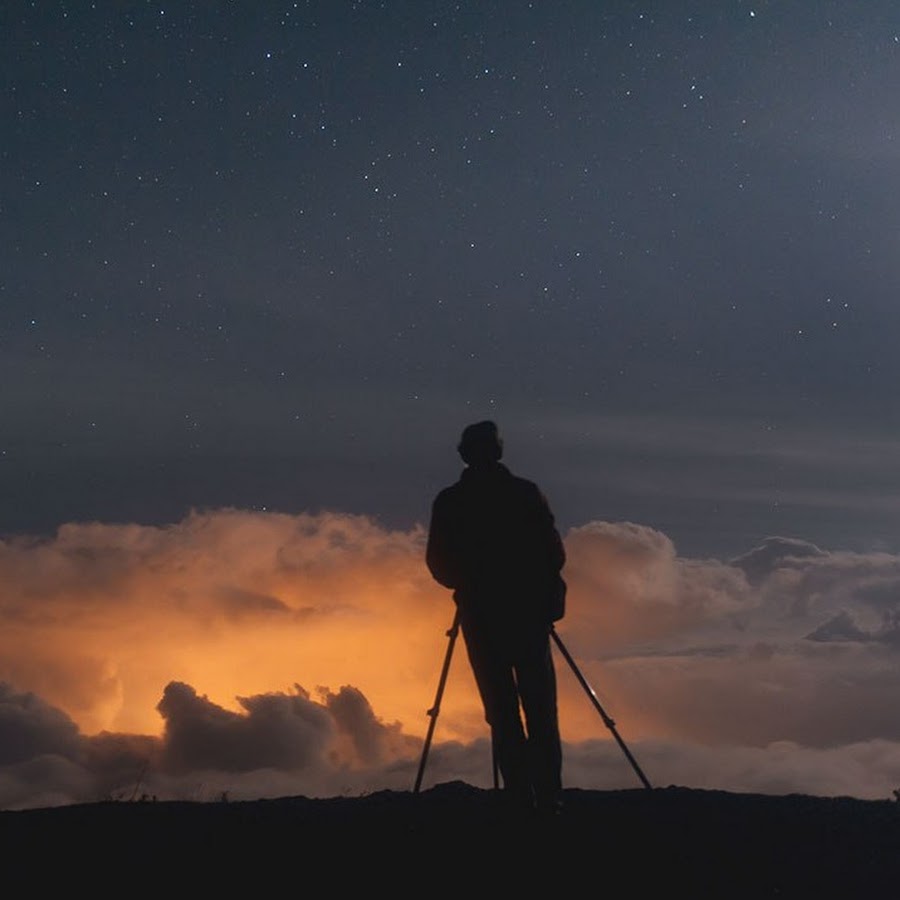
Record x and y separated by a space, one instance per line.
302 653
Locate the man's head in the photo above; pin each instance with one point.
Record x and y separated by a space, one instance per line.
480 444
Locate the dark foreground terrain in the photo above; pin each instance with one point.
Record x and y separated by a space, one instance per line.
453 838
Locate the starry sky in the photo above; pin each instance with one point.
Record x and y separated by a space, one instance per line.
277 255
262 262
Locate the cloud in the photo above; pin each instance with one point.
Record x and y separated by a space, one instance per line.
278 731
288 732
262 654
29 727
281 744
771 554
99 619
628 585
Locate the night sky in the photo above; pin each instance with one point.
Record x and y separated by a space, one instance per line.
277 255
262 262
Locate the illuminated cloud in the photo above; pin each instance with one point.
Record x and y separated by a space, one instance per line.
255 654
100 619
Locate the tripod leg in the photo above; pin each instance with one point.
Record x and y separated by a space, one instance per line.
610 724
495 764
436 708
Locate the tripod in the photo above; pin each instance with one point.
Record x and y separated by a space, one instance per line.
433 713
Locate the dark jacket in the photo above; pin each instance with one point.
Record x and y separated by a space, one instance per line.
493 540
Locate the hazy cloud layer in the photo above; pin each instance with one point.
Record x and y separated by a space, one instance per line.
255 654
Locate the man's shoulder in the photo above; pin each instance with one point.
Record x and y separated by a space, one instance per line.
447 494
526 485
500 477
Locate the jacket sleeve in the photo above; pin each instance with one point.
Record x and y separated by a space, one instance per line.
556 551
439 555
555 608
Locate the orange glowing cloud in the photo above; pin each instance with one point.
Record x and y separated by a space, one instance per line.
260 653
99 620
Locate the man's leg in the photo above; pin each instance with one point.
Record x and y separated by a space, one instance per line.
537 688
493 673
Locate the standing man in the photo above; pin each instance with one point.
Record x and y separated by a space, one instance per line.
494 542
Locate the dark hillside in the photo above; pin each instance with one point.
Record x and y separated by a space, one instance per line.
451 838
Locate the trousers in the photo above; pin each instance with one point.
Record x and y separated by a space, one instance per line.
514 672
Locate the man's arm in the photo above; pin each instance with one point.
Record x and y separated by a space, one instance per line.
556 559
439 556
556 551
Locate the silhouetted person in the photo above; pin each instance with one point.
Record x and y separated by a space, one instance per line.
493 540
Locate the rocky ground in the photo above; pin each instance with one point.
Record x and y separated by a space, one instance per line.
453 837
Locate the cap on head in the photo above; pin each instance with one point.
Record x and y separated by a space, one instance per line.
480 443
